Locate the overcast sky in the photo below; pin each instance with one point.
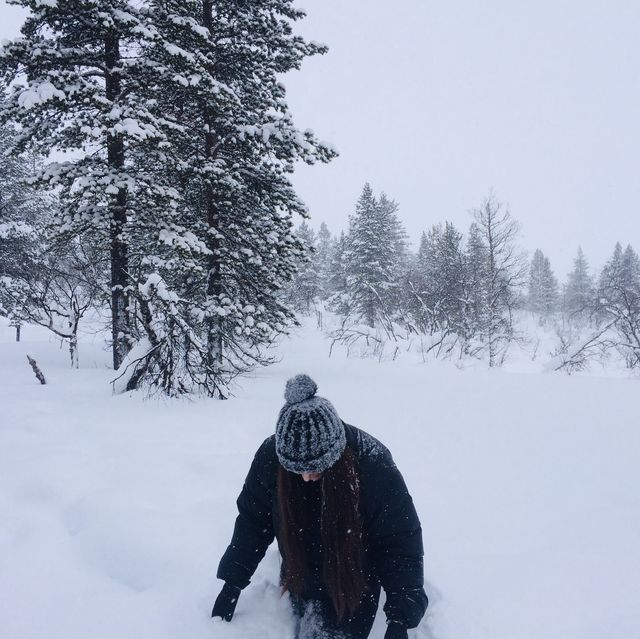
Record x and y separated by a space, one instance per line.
436 102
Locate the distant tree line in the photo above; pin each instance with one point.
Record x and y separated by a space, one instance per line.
598 313
461 294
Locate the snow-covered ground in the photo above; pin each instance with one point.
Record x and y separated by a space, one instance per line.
114 510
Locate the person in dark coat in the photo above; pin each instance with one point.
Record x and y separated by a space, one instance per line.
344 521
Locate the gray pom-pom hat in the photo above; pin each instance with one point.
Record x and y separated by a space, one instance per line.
310 436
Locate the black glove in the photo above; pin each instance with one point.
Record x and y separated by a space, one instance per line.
395 630
226 602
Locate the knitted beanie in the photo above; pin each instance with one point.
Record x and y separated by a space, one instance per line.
310 436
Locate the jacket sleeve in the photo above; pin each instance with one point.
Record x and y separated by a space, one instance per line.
395 547
253 531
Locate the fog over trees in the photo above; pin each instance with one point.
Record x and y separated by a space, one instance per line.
468 294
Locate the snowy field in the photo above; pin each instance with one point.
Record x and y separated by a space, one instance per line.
114 510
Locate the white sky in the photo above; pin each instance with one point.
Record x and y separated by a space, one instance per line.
436 102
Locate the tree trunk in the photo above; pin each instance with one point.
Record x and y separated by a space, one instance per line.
492 274
214 277
73 351
118 214
18 332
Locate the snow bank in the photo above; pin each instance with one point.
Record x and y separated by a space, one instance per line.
117 509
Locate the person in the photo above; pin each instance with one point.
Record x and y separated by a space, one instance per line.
344 521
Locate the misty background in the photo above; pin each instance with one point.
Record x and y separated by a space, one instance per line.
435 103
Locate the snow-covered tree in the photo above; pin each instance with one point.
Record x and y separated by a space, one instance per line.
437 282
305 287
476 289
396 240
338 299
77 90
451 280
324 250
579 291
365 274
504 275
418 296
44 280
63 283
543 286
180 142
231 144
374 259
20 242
619 300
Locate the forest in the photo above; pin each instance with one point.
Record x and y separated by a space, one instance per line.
145 187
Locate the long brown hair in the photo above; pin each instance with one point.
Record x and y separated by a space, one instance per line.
341 530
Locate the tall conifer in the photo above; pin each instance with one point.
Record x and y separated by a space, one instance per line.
76 89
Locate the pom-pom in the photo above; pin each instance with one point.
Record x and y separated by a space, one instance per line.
299 388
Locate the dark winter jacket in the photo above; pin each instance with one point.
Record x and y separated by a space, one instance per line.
392 535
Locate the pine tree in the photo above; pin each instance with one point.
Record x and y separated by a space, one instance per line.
579 291
76 89
182 146
231 144
543 286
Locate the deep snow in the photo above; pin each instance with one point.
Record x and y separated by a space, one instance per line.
114 510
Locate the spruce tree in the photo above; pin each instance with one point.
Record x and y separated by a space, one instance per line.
451 280
611 278
324 250
631 274
476 284
374 259
418 296
579 290
543 286
338 300
304 288
394 250
364 273
438 281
